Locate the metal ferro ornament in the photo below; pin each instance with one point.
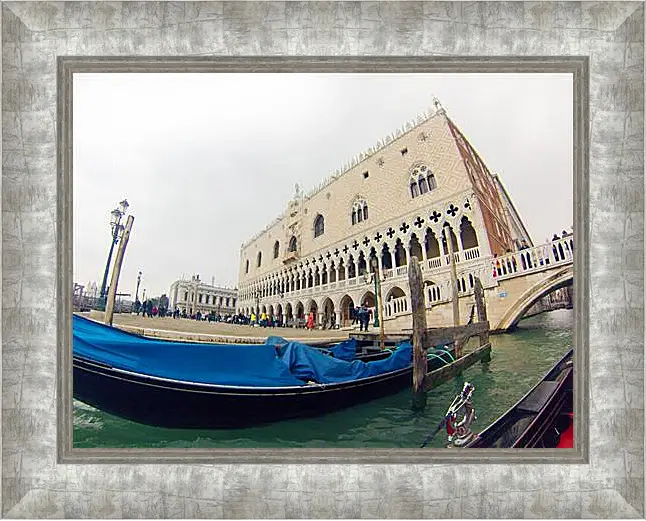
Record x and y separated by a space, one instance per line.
459 417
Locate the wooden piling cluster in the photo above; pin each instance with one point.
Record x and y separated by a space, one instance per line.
424 338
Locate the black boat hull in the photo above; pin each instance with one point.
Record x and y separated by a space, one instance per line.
172 404
539 418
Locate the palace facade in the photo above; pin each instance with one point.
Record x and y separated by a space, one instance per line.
194 295
400 199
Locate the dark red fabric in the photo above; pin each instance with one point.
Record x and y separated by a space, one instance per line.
567 438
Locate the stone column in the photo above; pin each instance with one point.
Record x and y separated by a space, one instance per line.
321 318
337 318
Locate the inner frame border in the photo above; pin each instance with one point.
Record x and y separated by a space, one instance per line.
578 66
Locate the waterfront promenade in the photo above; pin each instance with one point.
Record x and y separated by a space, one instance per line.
186 329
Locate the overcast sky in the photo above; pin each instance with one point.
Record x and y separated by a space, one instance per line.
207 160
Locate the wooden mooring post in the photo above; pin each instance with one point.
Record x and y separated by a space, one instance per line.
418 311
481 313
455 297
116 270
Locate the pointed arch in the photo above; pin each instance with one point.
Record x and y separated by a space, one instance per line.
352 268
332 275
347 310
328 314
422 180
293 244
362 265
468 235
319 226
431 245
454 240
395 292
299 311
368 299
400 254
386 257
359 210
415 248
423 186
276 249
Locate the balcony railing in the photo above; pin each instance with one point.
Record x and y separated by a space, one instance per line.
396 306
537 258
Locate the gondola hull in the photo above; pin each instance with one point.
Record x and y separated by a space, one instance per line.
196 386
539 418
185 405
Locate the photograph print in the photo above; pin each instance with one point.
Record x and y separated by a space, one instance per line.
296 260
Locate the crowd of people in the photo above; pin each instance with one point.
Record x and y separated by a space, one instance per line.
148 308
359 315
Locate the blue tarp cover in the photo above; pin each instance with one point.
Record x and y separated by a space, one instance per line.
346 350
276 363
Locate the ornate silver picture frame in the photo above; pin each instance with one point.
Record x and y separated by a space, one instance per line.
45 43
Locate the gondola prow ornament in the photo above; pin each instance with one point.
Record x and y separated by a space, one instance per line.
458 419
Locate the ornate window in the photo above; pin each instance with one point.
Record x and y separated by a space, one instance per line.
259 261
422 181
359 211
246 267
292 244
319 225
276 249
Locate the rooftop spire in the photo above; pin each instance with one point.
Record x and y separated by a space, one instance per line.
438 106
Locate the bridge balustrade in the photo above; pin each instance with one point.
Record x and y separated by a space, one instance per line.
538 258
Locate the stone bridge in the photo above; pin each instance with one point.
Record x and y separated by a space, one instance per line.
512 283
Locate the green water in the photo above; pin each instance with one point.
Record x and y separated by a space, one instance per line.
519 360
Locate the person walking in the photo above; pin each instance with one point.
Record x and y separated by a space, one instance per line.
363 315
310 321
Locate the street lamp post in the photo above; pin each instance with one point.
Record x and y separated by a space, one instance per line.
375 276
379 310
137 290
117 227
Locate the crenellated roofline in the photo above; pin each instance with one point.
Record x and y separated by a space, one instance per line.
359 158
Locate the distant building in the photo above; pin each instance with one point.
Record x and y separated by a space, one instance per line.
194 295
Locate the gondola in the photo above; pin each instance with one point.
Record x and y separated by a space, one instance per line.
219 386
543 418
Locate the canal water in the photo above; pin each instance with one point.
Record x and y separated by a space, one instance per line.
519 360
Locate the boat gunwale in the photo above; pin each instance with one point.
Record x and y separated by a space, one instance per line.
546 415
304 388
555 371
